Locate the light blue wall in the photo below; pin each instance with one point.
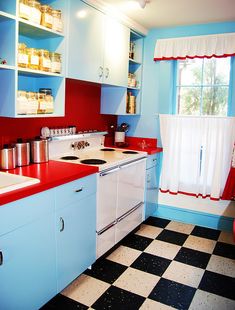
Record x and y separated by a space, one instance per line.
157 79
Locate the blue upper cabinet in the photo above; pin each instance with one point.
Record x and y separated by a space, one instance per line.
97 46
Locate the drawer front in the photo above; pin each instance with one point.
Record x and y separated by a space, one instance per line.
74 191
105 241
26 210
151 161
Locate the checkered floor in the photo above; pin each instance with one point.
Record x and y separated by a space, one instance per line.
164 265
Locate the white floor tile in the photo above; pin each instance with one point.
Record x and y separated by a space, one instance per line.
150 304
124 255
180 227
222 265
149 231
163 249
200 244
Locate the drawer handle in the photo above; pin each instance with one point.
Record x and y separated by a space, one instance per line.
1 258
107 73
79 190
100 71
61 224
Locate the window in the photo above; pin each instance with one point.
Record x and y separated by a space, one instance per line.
203 86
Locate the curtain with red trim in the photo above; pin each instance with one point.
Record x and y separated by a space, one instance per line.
207 46
229 189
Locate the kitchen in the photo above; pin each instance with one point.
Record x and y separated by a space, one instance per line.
83 101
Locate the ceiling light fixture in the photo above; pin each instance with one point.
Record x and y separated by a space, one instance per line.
143 3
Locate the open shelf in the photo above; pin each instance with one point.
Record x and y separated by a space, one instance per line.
36 73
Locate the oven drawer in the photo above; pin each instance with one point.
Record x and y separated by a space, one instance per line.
74 191
105 241
125 225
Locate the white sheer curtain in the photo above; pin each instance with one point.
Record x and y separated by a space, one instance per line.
197 154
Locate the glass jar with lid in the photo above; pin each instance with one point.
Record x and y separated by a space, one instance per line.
35 11
48 99
32 103
44 60
47 19
57 23
33 58
24 9
55 62
41 103
22 57
22 102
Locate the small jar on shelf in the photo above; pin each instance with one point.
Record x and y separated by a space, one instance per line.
55 62
47 19
24 9
41 103
57 23
22 58
130 103
22 102
48 99
44 60
132 50
35 11
33 58
32 103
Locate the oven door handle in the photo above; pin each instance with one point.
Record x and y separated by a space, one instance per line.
130 163
102 174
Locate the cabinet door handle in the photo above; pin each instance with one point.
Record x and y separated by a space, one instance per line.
100 72
79 190
61 224
1 258
106 72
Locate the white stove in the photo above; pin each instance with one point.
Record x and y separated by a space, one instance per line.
120 184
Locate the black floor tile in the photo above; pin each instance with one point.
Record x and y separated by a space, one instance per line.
158 222
172 237
136 242
173 294
218 284
204 232
151 264
225 250
60 302
193 257
118 299
106 270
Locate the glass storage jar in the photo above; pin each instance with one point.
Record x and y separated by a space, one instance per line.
41 103
47 19
57 23
55 62
35 11
24 9
22 57
33 58
32 103
22 102
44 60
48 98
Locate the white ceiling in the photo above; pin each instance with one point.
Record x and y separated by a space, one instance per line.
167 13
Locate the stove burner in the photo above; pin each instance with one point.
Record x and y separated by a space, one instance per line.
69 157
93 161
107 150
130 152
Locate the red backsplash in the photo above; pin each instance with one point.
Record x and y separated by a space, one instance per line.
82 109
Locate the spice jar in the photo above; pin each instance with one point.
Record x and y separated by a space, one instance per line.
32 103
35 11
44 60
22 102
33 58
24 9
47 19
23 59
57 23
41 103
48 99
55 62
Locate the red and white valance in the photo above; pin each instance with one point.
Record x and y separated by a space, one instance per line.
217 45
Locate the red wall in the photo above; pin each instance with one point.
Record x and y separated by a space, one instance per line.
82 108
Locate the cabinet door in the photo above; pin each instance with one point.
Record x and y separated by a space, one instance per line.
27 268
85 43
117 37
76 239
131 186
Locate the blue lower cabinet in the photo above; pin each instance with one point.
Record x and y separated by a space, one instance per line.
76 239
27 265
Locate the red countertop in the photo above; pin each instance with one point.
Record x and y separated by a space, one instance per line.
50 174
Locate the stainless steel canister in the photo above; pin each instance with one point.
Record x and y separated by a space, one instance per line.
39 151
22 153
8 157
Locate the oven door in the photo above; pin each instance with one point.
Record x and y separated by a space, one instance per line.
131 186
